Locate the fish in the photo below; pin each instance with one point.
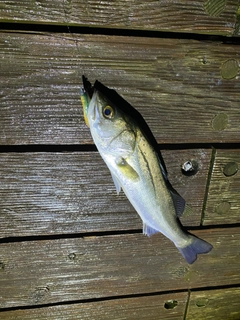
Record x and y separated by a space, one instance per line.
130 151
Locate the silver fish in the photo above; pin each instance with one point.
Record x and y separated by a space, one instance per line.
128 148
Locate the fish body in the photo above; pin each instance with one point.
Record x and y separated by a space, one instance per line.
136 167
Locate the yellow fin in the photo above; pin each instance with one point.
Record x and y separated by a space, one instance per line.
127 170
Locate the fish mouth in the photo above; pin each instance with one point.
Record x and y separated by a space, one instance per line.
86 95
95 108
89 94
89 101
88 88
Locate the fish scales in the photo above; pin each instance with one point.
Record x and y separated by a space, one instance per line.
128 148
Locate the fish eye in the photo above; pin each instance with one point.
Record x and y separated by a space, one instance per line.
108 112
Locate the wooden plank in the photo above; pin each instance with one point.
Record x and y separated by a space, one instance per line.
73 192
214 304
223 204
169 306
191 187
52 271
237 26
203 16
181 87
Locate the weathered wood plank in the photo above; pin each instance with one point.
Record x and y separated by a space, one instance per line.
169 306
203 16
182 87
72 192
223 204
237 26
214 304
50 271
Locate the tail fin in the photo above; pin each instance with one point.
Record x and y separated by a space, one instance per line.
197 246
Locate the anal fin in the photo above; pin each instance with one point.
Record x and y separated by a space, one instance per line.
149 231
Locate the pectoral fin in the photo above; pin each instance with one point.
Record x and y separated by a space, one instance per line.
127 170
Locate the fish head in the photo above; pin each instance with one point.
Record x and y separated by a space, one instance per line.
113 131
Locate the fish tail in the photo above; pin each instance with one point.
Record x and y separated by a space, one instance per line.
196 247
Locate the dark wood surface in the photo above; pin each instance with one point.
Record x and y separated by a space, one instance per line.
214 304
70 247
179 86
223 205
203 16
89 267
170 306
73 192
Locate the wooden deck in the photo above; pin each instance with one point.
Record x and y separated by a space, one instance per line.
70 247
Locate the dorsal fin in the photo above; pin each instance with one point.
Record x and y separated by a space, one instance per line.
179 203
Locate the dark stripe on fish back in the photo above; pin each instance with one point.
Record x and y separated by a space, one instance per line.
146 162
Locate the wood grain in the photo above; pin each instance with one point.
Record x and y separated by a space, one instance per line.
203 16
73 192
143 308
214 304
70 248
176 85
223 204
51 271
